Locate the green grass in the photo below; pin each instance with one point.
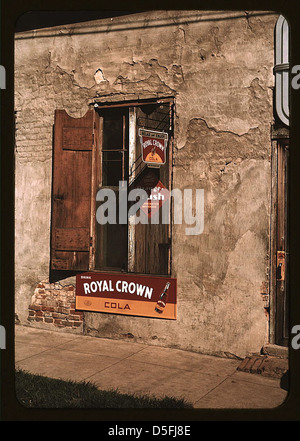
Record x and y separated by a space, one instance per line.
36 391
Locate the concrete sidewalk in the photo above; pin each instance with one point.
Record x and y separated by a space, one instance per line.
205 381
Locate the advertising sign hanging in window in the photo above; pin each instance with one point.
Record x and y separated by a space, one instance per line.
154 146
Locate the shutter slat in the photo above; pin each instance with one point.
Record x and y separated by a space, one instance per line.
77 138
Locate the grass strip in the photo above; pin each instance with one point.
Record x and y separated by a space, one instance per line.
36 391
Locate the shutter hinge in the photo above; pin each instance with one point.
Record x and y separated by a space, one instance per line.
281 261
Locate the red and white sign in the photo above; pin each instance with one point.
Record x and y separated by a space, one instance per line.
154 146
158 194
129 294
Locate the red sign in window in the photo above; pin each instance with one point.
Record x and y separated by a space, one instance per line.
158 194
154 146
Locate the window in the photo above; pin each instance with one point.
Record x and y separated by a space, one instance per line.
96 152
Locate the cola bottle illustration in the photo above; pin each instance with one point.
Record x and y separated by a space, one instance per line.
161 303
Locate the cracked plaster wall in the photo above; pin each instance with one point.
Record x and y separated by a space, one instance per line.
218 66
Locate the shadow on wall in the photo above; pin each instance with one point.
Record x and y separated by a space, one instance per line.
57 275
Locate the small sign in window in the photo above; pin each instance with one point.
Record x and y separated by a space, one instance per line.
154 146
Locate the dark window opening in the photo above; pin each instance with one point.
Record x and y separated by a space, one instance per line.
115 147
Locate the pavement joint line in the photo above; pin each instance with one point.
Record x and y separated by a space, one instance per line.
34 355
213 388
160 365
108 367
52 346
72 350
42 351
119 360
244 380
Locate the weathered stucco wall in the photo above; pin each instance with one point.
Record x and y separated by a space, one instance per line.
218 66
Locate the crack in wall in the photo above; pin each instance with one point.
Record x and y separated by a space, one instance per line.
71 76
247 16
224 131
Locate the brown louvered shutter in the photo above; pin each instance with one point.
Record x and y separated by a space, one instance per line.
71 193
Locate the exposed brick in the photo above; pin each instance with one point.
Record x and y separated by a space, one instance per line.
243 365
58 315
48 320
74 317
55 305
39 319
67 323
264 365
256 364
35 307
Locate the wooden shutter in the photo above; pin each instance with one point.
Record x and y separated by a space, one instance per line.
72 192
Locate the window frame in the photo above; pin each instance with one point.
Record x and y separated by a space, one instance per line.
132 158
163 110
